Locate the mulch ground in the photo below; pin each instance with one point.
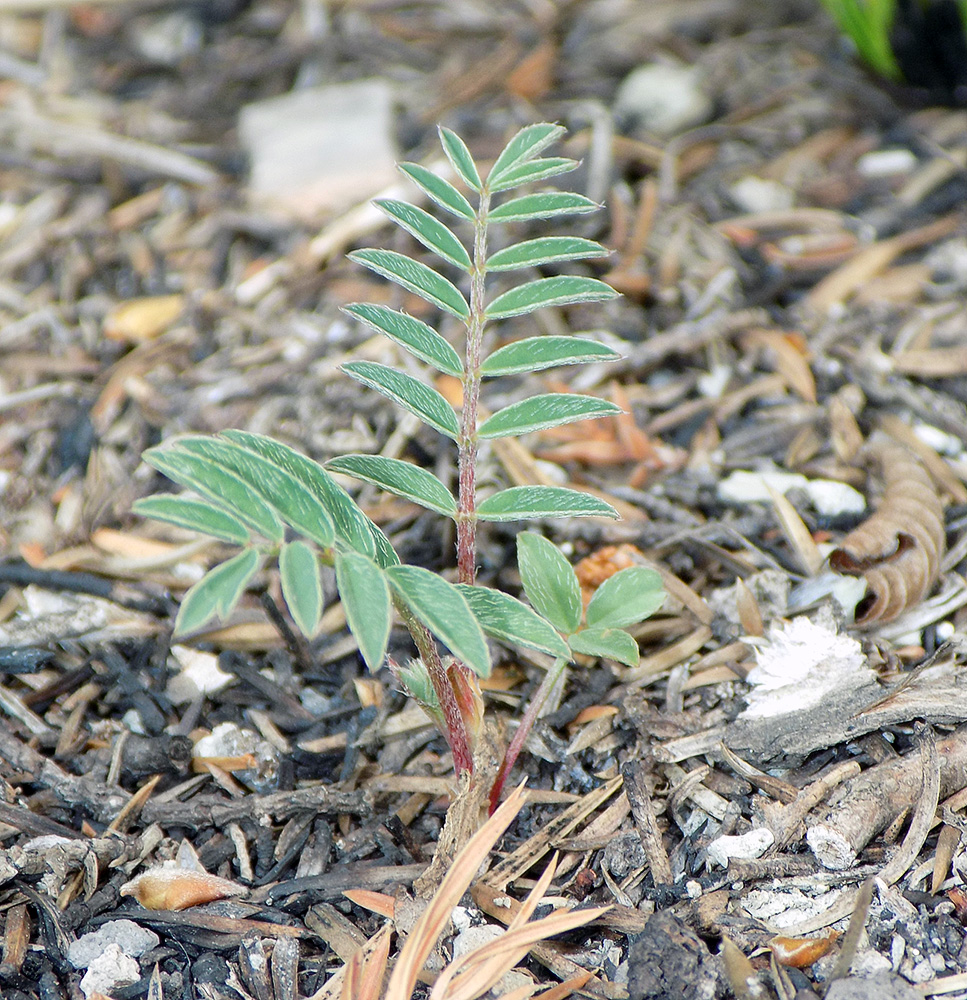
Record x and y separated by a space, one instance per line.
793 264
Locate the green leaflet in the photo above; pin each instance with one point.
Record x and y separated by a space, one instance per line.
432 233
510 621
365 595
442 192
609 643
415 277
629 596
560 291
217 592
195 515
546 250
301 585
549 581
536 170
524 146
400 478
541 412
545 205
533 354
460 159
520 502
421 340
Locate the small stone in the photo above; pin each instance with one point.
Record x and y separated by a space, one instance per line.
110 969
882 986
886 163
743 848
757 194
132 939
624 854
662 99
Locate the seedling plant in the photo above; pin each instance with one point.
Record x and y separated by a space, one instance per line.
260 494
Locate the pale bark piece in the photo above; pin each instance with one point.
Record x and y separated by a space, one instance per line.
898 549
319 150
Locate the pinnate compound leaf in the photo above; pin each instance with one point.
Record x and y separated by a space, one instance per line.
535 170
541 412
544 205
415 277
629 596
533 354
609 643
545 250
301 585
528 143
365 595
195 515
432 233
217 592
565 289
212 481
519 502
400 478
412 394
549 581
296 505
460 159
353 527
421 340
438 190
508 620
445 612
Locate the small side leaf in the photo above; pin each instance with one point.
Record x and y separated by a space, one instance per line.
528 143
421 340
400 478
438 190
544 205
412 394
534 354
508 620
415 277
352 526
195 515
540 412
629 596
608 643
365 595
212 481
217 592
520 502
460 159
301 585
546 250
536 170
432 233
549 581
445 612
563 290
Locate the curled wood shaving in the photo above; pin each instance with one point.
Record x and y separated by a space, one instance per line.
899 547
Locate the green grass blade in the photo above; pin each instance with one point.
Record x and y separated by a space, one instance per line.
412 394
510 621
562 290
540 412
522 502
536 170
549 581
445 612
546 250
533 354
545 205
195 515
432 233
421 340
301 585
217 592
442 192
415 277
460 159
629 596
607 643
528 143
210 480
365 595
400 478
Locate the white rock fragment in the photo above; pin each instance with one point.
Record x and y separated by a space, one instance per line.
132 939
110 969
797 666
662 99
198 674
742 487
886 163
831 498
788 908
757 194
744 847
321 149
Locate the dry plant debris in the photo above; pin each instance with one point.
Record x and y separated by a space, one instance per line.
794 267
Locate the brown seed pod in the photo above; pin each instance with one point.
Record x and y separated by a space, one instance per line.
898 548
179 888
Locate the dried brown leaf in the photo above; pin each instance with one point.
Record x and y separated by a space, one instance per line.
899 547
